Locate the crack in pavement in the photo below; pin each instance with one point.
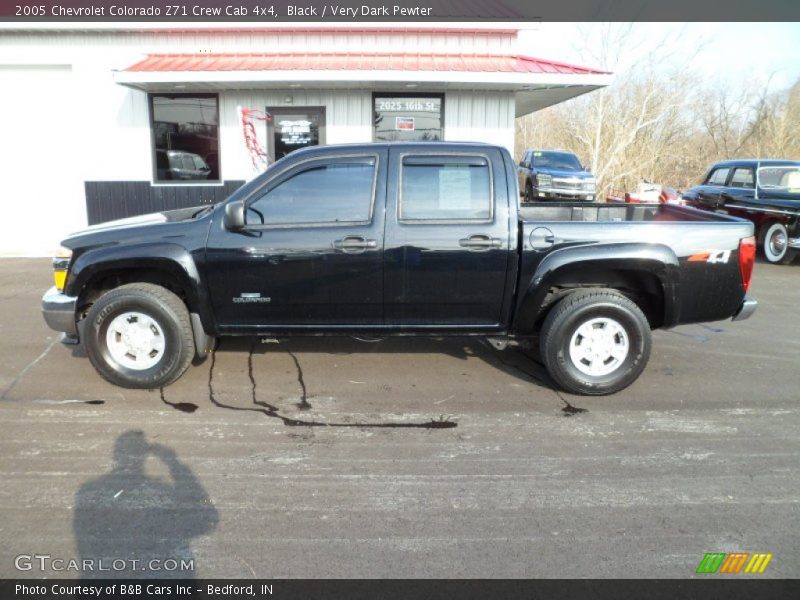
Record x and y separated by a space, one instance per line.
187 407
273 412
303 404
22 373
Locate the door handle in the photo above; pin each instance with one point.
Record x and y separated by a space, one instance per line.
480 241
354 243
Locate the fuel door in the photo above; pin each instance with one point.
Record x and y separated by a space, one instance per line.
542 239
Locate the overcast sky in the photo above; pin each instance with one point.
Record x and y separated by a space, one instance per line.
729 52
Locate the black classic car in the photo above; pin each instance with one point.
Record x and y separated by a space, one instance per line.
766 192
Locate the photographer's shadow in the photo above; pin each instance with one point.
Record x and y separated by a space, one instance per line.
144 523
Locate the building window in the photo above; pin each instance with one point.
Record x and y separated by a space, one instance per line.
408 118
185 137
448 188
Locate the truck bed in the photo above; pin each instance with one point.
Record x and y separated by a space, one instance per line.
613 213
702 247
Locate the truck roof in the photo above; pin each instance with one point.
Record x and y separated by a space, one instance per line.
755 162
441 145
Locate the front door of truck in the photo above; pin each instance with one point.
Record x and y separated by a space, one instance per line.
311 254
447 239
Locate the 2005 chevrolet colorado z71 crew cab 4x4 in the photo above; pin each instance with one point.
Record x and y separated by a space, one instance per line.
416 238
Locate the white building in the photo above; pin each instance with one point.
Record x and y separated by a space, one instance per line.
103 122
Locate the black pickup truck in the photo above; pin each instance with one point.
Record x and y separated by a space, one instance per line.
407 238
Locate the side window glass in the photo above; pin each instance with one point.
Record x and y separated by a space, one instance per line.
339 191
445 188
743 178
718 177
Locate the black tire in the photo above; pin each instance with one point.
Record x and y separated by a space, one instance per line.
170 315
529 192
773 239
577 310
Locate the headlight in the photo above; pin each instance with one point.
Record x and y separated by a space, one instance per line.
543 180
590 185
61 267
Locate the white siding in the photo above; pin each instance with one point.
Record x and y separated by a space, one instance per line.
480 117
271 40
40 187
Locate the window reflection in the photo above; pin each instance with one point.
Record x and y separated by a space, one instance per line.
445 188
407 118
185 137
336 192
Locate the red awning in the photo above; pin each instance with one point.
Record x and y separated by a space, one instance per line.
379 61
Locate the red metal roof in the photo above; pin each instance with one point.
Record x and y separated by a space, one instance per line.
349 61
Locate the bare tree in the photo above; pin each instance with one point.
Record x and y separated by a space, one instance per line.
629 131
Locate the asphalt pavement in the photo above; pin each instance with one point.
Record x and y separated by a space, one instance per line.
410 457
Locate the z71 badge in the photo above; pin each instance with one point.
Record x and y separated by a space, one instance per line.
712 256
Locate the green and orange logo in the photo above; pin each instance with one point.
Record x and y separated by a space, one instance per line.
722 562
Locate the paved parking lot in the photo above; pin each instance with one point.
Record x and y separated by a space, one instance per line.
407 458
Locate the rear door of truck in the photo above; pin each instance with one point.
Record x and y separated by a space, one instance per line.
448 237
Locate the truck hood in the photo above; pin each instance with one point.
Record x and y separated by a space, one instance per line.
122 229
565 174
181 214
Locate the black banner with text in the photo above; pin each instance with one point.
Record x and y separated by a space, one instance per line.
320 11
369 589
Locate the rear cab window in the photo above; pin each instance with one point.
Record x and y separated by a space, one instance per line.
445 188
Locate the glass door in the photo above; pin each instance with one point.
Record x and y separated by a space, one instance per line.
290 128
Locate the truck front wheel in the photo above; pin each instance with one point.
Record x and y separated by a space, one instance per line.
139 336
595 342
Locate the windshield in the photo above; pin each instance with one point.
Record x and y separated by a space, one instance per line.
557 160
785 178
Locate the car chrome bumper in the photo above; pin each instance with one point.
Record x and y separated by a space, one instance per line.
58 311
746 310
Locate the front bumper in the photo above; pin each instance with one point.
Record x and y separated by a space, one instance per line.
565 193
746 310
58 311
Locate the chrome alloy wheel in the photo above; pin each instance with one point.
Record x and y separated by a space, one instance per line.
777 242
599 346
135 341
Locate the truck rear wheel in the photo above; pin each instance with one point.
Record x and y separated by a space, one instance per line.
595 342
774 242
139 336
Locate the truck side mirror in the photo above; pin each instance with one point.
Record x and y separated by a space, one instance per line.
234 216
